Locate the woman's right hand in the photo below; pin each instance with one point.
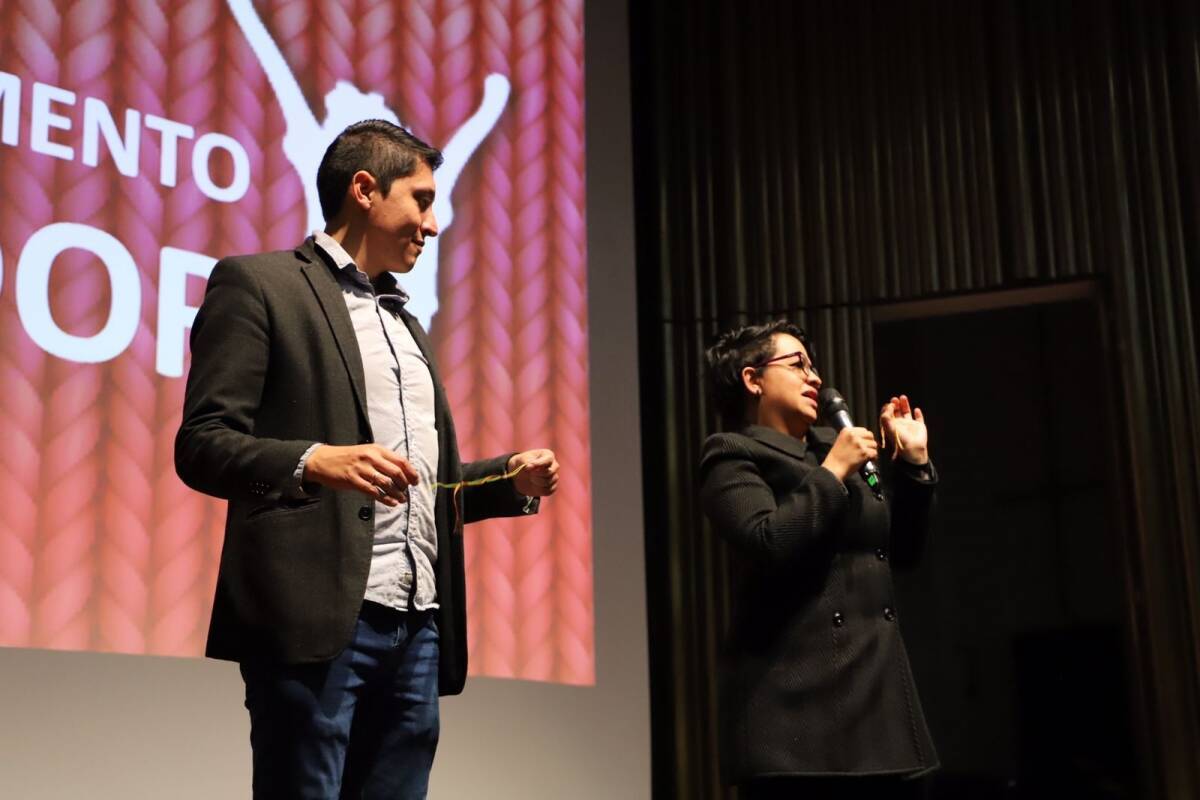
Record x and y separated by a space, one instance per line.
853 448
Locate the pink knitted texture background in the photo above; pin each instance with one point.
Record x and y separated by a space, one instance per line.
101 547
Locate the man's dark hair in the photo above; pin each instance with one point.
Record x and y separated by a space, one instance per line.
377 146
735 350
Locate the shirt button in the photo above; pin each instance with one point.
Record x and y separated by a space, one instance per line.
364 513
838 619
889 613
881 554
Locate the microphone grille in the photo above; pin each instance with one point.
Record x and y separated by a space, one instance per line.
830 401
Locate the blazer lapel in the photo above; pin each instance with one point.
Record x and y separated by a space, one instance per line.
329 294
449 466
788 445
440 405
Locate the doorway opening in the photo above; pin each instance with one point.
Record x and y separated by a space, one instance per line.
1017 620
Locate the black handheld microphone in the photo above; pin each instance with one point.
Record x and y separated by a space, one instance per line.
834 410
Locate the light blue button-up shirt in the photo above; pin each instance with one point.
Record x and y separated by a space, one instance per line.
400 407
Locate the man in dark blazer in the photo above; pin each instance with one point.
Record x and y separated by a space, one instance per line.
314 407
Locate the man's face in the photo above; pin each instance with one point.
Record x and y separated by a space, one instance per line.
399 223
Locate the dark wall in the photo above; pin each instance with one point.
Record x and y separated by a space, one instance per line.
826 161
1015 619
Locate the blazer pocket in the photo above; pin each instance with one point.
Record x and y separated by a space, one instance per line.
284 507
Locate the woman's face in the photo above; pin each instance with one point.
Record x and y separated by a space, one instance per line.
785 386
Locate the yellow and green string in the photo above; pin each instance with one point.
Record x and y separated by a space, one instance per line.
458 486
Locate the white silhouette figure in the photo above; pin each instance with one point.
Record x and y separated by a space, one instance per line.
307 139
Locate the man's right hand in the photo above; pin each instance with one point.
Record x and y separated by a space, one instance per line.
853 448
368 468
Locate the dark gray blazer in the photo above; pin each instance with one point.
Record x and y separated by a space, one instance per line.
275 368
814 679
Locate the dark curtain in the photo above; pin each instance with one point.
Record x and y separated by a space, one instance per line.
822 160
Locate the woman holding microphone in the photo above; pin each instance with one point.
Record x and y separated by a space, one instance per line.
817 696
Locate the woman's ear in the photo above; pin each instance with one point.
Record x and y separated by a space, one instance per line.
752 381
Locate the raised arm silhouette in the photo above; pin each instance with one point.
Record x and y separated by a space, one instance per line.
307 138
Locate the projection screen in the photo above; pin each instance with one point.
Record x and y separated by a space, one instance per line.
141 141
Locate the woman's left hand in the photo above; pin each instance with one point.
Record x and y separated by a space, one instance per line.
903 427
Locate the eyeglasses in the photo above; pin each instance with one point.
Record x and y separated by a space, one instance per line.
801 365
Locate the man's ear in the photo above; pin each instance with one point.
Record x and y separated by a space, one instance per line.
364 189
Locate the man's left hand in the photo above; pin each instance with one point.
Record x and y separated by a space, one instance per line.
539 477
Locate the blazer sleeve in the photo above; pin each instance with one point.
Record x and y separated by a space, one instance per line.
744 510
216 451
912 504
495 499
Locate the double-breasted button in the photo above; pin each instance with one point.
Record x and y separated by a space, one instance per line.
364 513
889 613
881 554
838 619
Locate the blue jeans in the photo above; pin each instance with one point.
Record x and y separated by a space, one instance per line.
364 725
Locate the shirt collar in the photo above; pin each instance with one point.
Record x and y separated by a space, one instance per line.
345 266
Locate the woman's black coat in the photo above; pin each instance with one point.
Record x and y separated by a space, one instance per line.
815 677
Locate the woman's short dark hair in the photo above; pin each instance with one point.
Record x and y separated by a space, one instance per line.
735 350
382 148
